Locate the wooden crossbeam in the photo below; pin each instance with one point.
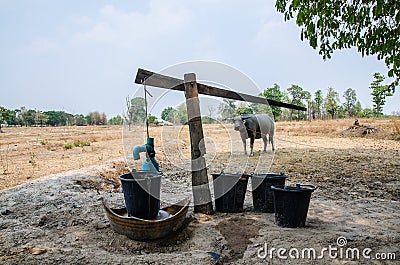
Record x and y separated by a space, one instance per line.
162 81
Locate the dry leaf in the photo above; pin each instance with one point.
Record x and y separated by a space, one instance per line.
37 251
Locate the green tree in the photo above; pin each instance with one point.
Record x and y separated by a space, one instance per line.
59 118
307 97
367 113
40 118
312 108
13 117
182 116
30 117
243 110
152 119
350 98
357 109
259 108
318 99
169 114
165 113
79 120
370 26
69 118
286 112
227 108
138 110
297 96
117 120
274 93
6 116
341 112
332 102
22 116
89 120
379 93
55 118
3 116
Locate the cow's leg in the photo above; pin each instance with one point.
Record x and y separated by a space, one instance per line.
265 140
251 146
271 139
244 146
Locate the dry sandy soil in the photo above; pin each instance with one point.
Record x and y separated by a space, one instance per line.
51 210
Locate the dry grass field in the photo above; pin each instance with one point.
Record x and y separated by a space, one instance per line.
28 153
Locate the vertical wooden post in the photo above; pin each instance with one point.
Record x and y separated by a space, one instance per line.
200 188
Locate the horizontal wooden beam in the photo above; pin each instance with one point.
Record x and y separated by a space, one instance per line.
162 81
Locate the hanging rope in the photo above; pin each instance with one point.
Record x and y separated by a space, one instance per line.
145 106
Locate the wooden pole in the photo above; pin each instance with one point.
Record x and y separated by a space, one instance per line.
200 187
158 80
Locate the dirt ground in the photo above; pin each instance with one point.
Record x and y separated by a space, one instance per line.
58 218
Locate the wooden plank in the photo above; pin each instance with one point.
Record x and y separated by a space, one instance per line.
201 190
162 81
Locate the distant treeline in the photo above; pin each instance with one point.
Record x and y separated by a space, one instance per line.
319 106
30 117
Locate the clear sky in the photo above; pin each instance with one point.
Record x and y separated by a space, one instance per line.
81 56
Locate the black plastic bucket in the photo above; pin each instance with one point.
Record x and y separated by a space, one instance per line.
263 199
141 193
291 204
229 192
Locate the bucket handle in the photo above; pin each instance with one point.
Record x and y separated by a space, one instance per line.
312 187
251 175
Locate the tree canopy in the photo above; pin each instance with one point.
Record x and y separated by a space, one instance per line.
274 93
379 93
332 102
169 114
350 99
243 110
298 94
227 108
372 26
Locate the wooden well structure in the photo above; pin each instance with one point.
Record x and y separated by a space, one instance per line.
192 89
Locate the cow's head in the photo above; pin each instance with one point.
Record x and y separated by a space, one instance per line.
238 123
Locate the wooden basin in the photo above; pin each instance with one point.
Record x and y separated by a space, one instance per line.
168 220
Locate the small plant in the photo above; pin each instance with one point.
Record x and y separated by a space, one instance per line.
85 144
43 143
32 161
51 148
67 146
81 144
